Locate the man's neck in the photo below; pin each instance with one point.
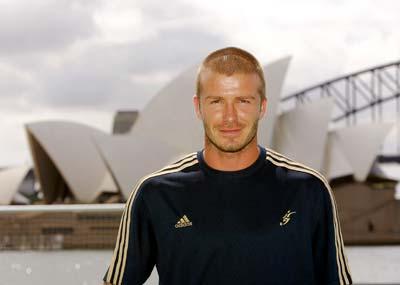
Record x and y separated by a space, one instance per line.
231 161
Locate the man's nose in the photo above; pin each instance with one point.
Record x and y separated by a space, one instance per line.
230 114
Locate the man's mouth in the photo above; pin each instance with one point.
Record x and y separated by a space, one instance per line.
230 132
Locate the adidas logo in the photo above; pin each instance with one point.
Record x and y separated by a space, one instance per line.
183 222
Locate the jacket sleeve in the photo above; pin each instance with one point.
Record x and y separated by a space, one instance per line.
330 263
135 250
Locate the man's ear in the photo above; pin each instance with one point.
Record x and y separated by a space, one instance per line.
196 104
263 107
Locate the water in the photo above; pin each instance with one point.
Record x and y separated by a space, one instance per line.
87 267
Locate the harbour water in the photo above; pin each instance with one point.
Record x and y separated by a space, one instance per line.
372 265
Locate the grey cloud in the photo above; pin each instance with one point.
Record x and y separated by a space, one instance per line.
12 82
171 49
154 12
32 26
101 75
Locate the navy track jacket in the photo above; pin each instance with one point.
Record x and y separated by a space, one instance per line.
274 222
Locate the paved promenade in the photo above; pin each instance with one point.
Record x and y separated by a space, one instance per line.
368 265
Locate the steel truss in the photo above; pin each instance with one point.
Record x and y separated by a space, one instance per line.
363 95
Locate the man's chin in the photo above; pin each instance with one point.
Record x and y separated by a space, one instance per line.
232 150
230 147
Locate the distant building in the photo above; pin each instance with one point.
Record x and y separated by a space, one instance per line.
75 163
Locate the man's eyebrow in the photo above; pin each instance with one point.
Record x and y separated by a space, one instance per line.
212 97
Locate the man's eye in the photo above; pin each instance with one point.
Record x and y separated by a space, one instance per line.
215 101
244 101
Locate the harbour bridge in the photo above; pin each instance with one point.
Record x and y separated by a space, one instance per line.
368 95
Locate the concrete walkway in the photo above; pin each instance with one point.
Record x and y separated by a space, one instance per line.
367 264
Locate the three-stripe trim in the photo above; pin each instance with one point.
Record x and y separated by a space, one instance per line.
117 267
341 260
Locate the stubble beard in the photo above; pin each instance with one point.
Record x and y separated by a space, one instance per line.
231 148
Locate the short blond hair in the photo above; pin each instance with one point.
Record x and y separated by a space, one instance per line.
231 60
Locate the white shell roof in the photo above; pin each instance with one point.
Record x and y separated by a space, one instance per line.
71 148
10 180
335 162
274 73
170 114
301 133
131 157
360 144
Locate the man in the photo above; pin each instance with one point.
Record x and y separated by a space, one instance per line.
234 212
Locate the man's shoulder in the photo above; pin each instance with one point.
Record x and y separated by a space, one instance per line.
177 169
293 170
299 176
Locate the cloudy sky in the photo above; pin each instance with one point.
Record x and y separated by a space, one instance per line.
81 60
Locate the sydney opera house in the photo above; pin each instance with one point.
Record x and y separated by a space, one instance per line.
336 127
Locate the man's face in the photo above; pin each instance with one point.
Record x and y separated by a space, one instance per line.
230 107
